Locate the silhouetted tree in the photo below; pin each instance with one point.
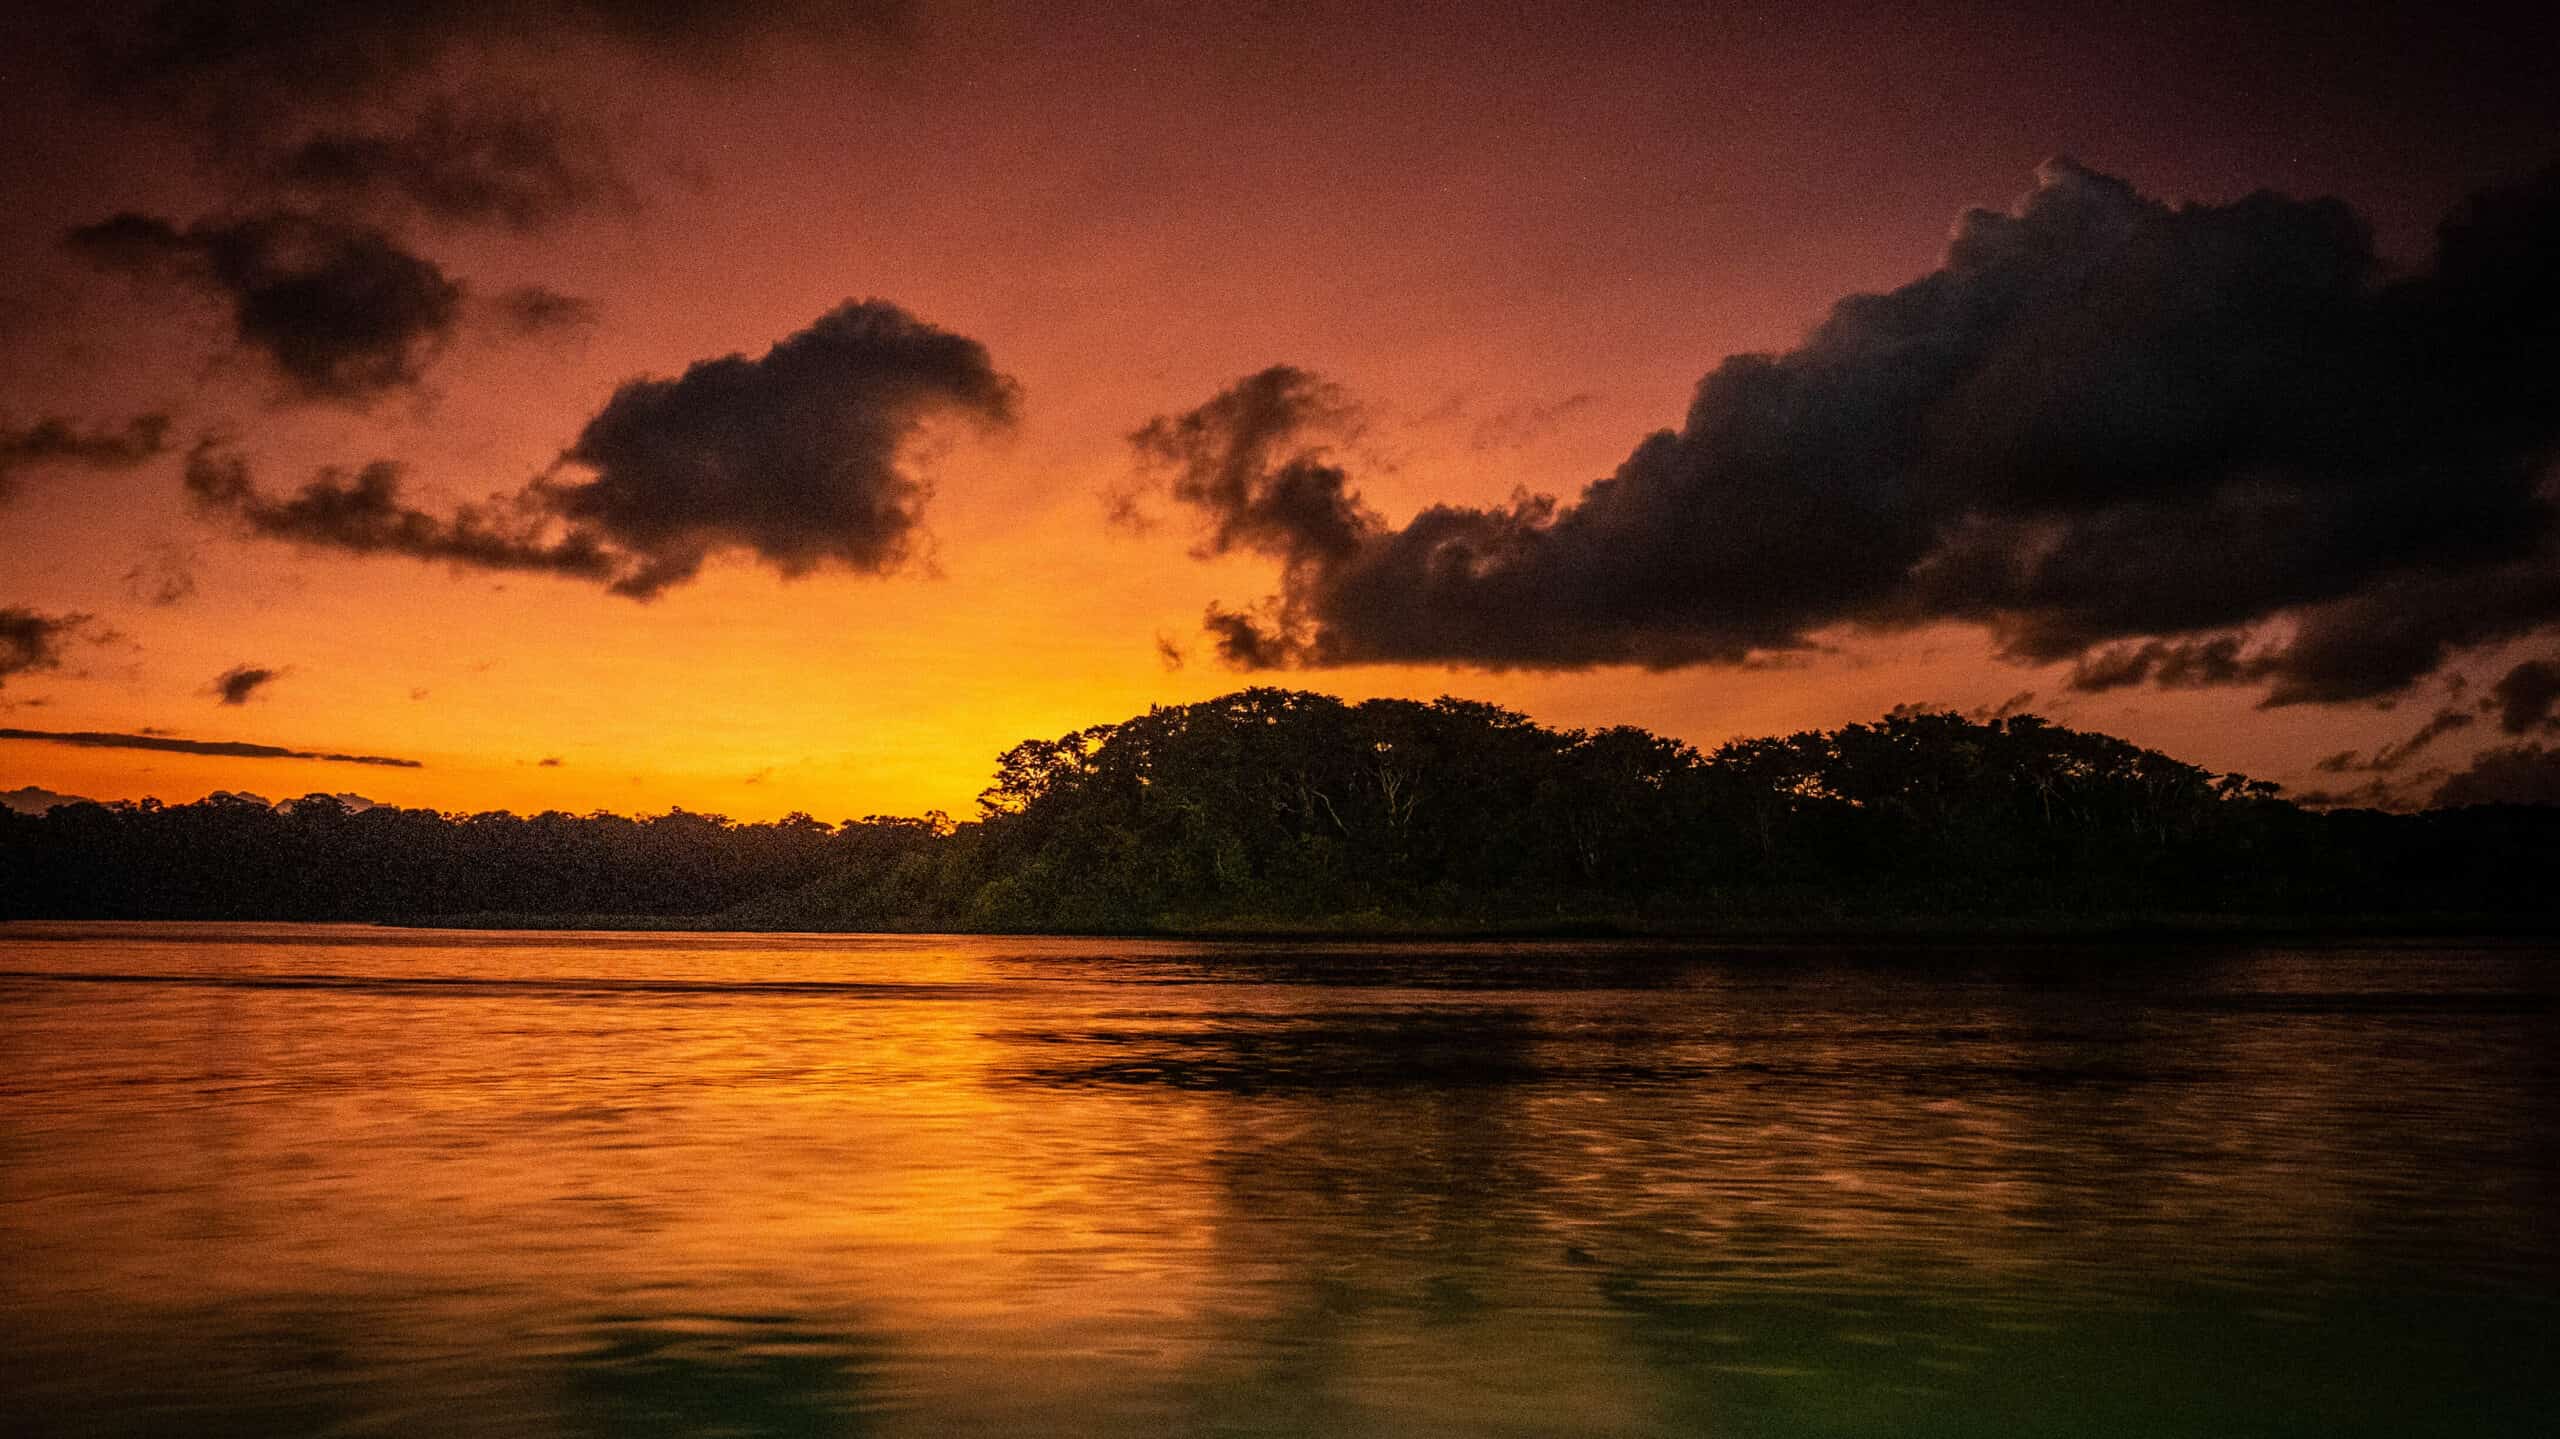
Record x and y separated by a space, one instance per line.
1279 807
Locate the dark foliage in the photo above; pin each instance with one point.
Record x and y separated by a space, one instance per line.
229 857
1278 808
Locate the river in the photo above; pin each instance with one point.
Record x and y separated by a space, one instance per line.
293 1179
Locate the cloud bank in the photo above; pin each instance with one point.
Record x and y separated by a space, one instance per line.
2179 445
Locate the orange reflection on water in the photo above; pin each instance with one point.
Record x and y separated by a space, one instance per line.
290 1178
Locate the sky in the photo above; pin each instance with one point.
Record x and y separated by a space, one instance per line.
621 404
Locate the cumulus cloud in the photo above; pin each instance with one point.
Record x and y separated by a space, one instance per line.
341 311
227 749
796 457
2514 774
2175 444
2524 697
235 685
54 440
1250 462
31 640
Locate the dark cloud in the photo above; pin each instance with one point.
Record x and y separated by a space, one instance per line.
32 641
2373 794
347 800
2199 444
2397 754
363 512
491 159
390 108
340 310
243 50
2401 628
2524 696
27 799
55 440
2170 664
229 749
1247 641
2016 704
164 576
1249 462
1521 425
532 310
795 457
2515 774
549 761
234 685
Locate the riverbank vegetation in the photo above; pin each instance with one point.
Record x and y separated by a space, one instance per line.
1273 810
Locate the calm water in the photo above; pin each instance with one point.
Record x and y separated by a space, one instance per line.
335 1180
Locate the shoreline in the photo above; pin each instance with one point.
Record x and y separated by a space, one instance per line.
1913 930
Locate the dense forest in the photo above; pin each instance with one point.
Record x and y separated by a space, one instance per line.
1274 809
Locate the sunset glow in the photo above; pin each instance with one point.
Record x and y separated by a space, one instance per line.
1514 247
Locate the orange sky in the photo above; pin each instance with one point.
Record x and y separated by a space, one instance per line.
1519 245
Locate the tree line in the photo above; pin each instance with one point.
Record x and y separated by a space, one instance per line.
1282 809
